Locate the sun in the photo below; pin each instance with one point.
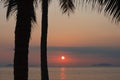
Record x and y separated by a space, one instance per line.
63 57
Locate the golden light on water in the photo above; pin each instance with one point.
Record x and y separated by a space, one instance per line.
62 73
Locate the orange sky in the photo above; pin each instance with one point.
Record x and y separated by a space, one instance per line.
84 28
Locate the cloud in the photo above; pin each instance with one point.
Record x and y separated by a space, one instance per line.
106 51
76 55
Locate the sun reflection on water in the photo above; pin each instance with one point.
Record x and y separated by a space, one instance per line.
62 73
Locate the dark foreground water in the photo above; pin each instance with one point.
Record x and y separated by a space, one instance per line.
92 73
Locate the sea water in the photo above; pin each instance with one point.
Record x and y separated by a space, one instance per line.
61 73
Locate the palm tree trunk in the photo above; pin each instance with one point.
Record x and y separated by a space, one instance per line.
22 36
44 66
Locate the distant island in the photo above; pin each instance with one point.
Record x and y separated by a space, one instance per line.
104 65
6 65
93 65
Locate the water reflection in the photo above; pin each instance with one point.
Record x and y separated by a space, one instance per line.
62 73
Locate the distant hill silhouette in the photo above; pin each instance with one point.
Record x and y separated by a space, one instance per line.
104 65
6 65
92 65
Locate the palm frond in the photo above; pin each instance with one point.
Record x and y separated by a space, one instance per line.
11 7
32 11
67 6
110 7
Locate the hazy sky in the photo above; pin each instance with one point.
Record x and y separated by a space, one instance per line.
84 37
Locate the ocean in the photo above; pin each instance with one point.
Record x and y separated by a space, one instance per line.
61 73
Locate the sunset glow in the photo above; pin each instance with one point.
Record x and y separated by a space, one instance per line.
82 39
63 57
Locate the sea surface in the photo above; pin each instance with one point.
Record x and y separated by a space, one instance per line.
61 73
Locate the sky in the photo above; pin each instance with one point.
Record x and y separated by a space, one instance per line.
85 37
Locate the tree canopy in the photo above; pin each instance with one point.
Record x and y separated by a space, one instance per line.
110 7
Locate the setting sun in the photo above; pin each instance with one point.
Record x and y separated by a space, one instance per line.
62 57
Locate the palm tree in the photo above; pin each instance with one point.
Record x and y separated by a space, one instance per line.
67 6
25 17
44 66
111 7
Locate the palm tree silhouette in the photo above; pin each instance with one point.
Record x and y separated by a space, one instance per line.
66 6
25 17
44 66
111 7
